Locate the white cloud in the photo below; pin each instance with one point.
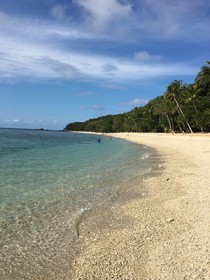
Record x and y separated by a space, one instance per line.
163 19
64 69
75 33
83 107
28 50
135 102
138 101
97 107
48 122
104 12
16 120
59 11
150 19
145 56
120 20
94 107
109 68
21 60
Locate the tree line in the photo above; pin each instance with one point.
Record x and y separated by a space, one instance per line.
182 108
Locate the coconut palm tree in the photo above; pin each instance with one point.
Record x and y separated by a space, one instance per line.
169 111
203 77
174 92
191 94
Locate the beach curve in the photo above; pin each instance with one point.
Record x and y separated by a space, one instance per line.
168 233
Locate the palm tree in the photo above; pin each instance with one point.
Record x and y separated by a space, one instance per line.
203 77
174 92
191 93
169 112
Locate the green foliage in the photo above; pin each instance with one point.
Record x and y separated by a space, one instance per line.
182 108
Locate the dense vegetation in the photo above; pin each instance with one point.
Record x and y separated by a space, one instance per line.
182 108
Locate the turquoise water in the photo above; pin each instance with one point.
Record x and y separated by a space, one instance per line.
47 180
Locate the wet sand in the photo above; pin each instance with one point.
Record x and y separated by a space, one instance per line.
165 234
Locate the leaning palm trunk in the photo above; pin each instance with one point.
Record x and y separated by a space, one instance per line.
181 112
196 110
170 123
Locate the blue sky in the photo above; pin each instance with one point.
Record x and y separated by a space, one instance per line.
71 60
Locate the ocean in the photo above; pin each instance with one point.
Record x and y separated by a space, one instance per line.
47 180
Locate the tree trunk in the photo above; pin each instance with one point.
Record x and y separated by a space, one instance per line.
180 110
169 122
196 110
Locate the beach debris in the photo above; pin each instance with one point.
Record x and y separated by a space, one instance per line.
167 179
170 220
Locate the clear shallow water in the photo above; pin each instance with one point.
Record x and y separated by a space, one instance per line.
47 179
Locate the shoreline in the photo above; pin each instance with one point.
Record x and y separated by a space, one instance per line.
165 235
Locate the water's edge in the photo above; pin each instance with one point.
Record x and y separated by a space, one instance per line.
45 239
94 224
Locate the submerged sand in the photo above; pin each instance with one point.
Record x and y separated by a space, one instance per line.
165 235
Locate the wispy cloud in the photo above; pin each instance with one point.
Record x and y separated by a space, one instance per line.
59 11
97 107
145 56
101 13
10 122
85 93
83 107
15 121
40 48
64 70
109 68
151 19
135 102
32 123
22 59
119 47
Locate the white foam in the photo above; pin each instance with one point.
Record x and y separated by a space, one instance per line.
146 156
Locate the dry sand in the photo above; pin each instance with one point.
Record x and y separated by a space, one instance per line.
165 235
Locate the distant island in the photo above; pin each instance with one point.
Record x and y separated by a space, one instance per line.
182 108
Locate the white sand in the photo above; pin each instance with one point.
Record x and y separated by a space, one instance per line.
168 234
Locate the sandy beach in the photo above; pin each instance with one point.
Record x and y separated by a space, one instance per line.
165 234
